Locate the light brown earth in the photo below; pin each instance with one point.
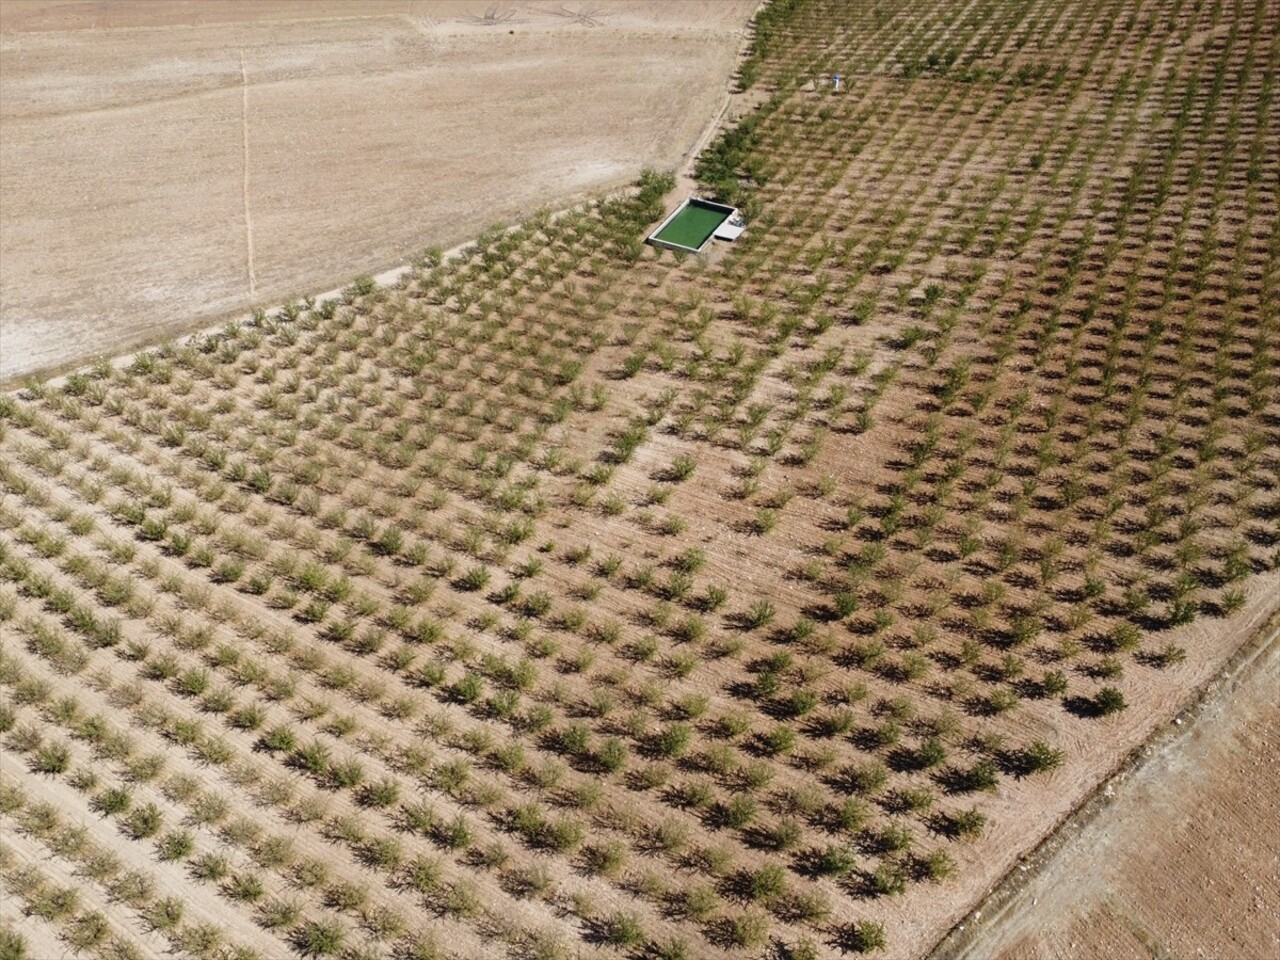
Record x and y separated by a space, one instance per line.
147 148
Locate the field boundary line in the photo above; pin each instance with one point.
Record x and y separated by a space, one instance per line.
244 137
686 182
387 279
1004 896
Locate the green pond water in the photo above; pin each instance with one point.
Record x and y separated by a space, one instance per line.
692 227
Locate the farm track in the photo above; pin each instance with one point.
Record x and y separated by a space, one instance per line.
566 597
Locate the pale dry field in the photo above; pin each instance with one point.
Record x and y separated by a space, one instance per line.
146 147
1180 864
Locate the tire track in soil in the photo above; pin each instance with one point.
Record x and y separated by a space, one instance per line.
244 131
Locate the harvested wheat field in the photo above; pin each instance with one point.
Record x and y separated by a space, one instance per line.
165 165
571 598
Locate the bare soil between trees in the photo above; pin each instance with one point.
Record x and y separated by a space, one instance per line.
615 620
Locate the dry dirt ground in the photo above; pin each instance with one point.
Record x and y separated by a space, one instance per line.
167 164
182 439
1179 863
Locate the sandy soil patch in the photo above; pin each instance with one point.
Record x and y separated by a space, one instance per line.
171 164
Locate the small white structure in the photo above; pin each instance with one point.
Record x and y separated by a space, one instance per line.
732 228
835 83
